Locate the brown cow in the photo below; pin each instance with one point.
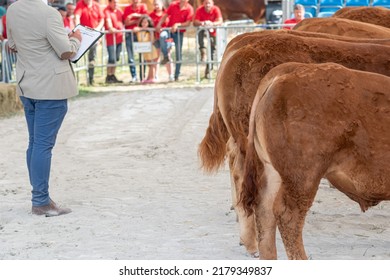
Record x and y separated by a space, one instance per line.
374 15
231 9
246 60
313 121
344 27
238 9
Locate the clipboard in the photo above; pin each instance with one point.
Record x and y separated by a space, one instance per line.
89 37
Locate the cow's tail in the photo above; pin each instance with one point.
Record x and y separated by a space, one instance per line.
212 149
253 170
253 167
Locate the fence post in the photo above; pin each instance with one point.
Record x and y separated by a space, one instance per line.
287 9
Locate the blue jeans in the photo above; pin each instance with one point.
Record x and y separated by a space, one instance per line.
164 35
44 119
114 52
130 38
178 39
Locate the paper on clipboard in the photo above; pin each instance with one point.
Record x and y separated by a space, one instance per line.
89 37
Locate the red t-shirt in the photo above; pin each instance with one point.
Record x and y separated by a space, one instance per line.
290 21
179 16
117 22
202 15
89 16
142 9
156 19
4 21
69 23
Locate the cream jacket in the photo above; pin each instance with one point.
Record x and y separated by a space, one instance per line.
36 31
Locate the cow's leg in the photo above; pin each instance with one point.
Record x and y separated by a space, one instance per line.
291 206
247 231
247 224
265 219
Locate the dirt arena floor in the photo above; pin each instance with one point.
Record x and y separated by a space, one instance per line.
126 163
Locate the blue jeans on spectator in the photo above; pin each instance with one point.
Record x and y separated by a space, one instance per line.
130 38
164 35
114 52
44 119
178 39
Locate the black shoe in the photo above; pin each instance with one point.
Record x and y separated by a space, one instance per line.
176 79
116 80
165 60
109 79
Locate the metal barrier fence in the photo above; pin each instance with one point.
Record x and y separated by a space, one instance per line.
7 63
190 52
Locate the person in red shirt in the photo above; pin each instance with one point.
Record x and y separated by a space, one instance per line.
6 60
299 14
2 13
4 22
156 16
69 18
62 11
207 15
179 14
88 13
131 15
114 38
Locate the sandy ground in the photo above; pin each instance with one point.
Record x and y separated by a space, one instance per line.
126 163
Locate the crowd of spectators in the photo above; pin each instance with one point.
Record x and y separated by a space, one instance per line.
163 27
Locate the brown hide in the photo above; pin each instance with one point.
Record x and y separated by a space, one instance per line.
344 27
374 15
237 9
196 3
313 121
234 9
251 37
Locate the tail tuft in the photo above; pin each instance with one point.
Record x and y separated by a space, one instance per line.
212 149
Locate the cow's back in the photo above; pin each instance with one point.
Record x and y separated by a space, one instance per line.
343 27
249 38
374 15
